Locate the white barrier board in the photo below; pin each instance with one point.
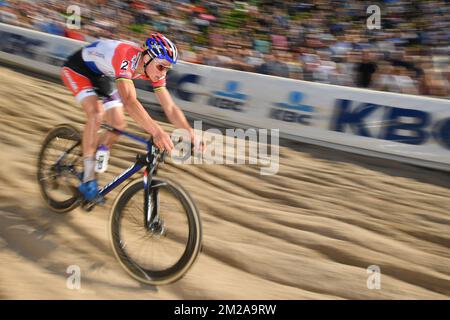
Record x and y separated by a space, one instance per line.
408 128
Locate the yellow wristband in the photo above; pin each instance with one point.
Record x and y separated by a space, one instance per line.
118 79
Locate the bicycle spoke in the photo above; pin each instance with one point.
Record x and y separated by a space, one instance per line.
165 251
52 176
153 250
57 183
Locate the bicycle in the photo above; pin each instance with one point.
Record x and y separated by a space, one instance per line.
59 176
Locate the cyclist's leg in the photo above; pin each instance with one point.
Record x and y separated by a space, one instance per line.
94 116
82 89
115 117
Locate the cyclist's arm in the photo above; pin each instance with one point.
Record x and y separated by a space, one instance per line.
127 93
172 111
136 111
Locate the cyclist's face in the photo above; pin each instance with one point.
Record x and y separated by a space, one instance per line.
157 69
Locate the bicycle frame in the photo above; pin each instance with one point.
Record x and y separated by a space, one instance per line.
150 161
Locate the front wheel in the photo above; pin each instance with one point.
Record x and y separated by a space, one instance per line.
164 253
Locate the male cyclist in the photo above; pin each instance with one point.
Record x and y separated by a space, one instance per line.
90 73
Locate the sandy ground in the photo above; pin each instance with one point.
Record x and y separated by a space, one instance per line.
308 232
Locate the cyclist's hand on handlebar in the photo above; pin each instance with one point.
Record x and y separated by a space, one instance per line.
162 141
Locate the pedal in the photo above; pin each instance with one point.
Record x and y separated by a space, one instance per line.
89 205
101 201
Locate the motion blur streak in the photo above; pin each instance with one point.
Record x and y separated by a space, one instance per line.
308 232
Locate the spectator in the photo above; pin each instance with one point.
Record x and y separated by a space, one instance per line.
326 68
73 34
321 40
274 66
210 57
311 62
295 66
340 77
383 79
404 81
254 59
394 79
186 54
435 82
365 70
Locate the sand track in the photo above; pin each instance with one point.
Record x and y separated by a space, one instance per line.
309 232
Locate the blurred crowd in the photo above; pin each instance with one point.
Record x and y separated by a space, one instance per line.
317 40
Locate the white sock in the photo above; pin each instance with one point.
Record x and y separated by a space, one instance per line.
89 168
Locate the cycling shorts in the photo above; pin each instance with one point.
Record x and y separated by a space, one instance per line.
83 82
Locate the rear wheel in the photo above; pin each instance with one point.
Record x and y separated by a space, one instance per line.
59 167
163 253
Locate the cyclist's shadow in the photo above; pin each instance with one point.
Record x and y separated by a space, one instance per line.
34 236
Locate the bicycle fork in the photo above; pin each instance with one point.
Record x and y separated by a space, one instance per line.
150 201
152 221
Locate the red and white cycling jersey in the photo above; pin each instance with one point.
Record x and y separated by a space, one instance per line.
115 59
